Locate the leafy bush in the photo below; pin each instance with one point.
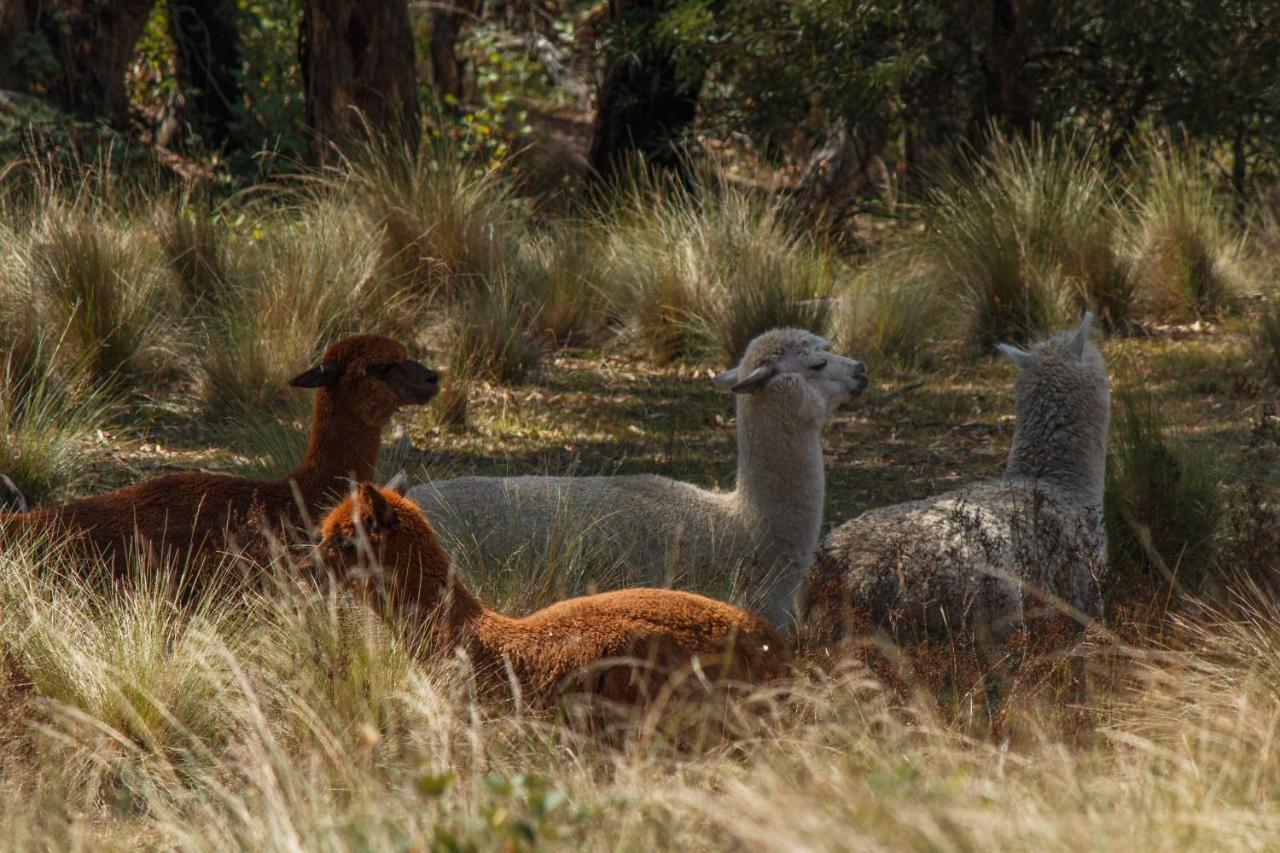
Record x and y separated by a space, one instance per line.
1163 510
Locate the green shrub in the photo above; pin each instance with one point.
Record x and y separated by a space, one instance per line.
1163 509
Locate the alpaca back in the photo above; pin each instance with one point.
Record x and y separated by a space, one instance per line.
985 559
646 526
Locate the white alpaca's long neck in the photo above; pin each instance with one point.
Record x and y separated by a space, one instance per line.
781 480
1068 449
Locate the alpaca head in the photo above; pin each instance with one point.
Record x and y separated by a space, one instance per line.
796 369
376 534
1063 403
369 377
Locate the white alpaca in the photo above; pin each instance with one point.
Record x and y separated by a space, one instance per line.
979 559
787 386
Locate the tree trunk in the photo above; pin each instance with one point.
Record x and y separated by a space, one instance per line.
208 52
90 44
1008 99
643 106
357 61
447 27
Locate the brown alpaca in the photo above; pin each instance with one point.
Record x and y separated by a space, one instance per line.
361 381
597 645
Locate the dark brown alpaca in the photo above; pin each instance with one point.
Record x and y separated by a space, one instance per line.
597 645
360 382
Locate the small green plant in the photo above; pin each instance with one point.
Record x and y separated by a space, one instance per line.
1162 507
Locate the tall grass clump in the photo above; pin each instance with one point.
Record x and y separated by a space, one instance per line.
1266 338
1162 507
441 223
196 247
100 279
893 314
568 280
121 670
1194 264
1020 232
704 271
48 426
310 279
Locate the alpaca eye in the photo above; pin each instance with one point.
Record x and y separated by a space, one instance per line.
347 546
819 366
380 369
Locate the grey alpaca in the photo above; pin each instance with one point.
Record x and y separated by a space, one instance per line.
984 558
787 385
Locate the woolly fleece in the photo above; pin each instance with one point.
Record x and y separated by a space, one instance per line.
787 386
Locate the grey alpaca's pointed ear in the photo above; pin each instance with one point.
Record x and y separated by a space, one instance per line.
1018 356
399 483
319 376
753 381
1082 335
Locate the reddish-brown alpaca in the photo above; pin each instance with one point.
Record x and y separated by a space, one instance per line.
582 645
361 381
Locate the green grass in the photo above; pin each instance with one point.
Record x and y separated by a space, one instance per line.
1163 506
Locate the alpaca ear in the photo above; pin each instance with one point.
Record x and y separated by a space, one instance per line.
319 376
1082 336
399 482
1020 357
753 381
381 513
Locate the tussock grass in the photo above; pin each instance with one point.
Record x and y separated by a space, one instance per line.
1266 338
311 280
48 426
439 223
894 315
196 245
1022 231
1163 510
1194 264
707 271
101 281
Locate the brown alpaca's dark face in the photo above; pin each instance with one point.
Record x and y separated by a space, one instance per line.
371 376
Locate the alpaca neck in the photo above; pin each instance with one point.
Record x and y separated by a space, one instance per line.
780 485
1070 454
340 449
